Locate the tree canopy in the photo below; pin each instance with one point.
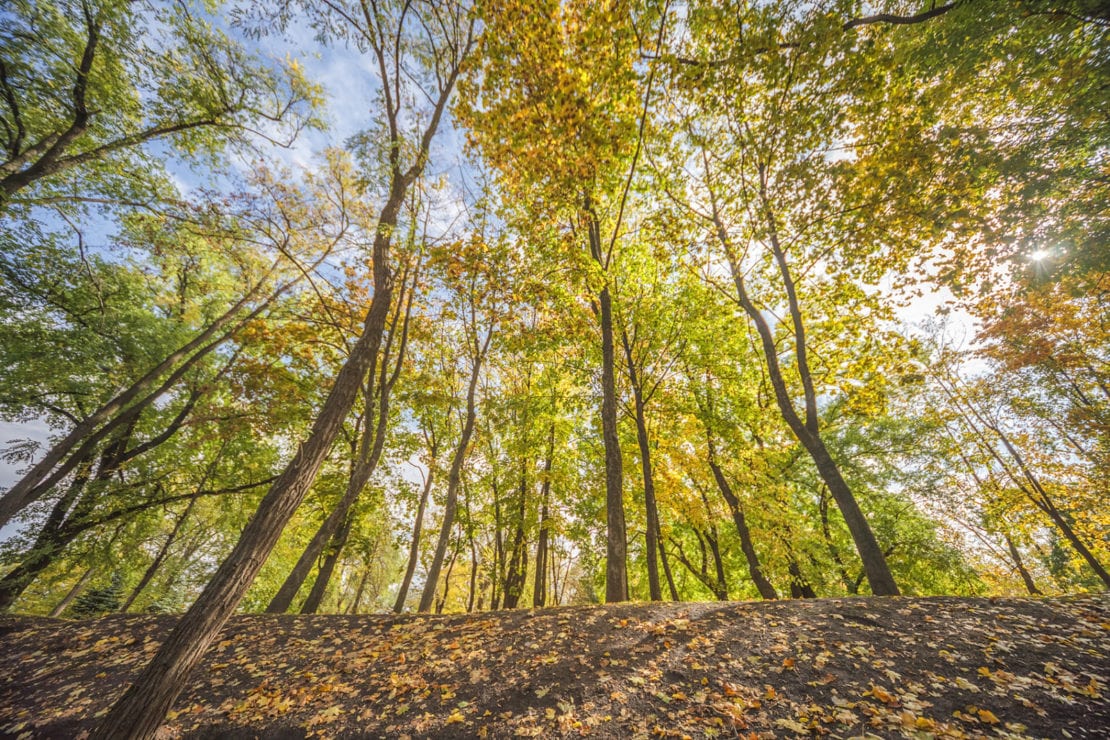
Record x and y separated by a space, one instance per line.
637 299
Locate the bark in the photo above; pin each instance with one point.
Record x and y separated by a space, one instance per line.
370 452
616 541
652 512
414 546
766 590
454 476
808 431
139 712
539 589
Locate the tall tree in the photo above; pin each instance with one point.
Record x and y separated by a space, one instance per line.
390 33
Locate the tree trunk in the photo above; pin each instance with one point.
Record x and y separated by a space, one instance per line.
808 432
73 593
454 476
155 564
834 552
139 712
323 577
518 556
800 587
442 600
414 547
616 547
1026 577
616 540
651 510
353 609
721 591
766 590
125 407
370 452
539 589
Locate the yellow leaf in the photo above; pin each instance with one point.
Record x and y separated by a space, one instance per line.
988 716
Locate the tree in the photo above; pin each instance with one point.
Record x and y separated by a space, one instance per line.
387 33
87 85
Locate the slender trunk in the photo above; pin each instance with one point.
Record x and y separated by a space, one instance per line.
800 587
1080 547
139 712
518 557
702 573
48 543
808 431
539 589
370 452
73 593
359 591
721 590
1049 507
834 552
616 540
323 578
1026 577
442 600
123 407
414 546
766 590
667 568
498 553
616 547
454 476
155 564
651 510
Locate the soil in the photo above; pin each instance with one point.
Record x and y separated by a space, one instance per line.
838 668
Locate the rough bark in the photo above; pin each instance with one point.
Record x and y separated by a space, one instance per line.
616 540
139 712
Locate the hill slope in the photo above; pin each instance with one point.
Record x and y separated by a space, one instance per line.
835 667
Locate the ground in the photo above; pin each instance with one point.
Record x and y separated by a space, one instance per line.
885 667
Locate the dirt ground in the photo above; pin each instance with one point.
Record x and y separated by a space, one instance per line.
838 668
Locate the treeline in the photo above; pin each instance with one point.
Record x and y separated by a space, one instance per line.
660 329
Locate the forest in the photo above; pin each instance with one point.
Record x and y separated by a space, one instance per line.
461 306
